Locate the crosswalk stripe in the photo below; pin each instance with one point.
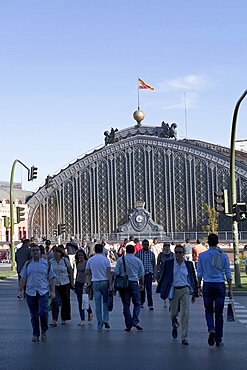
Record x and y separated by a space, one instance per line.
243 321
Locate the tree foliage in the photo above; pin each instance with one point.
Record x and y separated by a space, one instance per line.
212 219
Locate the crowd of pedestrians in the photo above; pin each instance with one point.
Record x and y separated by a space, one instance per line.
47 274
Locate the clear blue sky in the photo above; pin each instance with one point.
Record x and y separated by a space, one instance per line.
69 68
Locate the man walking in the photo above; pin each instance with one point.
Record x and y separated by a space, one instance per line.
148 259
135 272
213 266
98 270
71 248
38 277
177 282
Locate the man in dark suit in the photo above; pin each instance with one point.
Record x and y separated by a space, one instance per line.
177 282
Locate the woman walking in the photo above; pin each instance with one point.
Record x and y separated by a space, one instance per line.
64 281
163 256
80 287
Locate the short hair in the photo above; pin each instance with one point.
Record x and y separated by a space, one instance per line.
136 240
180 246
130 248
98 248
145 243
187 240
198 241
47 242
131 238
33 245
155 239
213 239
166 244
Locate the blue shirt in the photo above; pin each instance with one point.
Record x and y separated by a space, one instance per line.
208 272
37 275
134 267
180 274
98 265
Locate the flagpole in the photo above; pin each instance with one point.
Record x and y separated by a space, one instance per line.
185 114
138 102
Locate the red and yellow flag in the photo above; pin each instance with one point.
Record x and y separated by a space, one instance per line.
144 85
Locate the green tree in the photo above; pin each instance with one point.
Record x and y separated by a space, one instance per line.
212 219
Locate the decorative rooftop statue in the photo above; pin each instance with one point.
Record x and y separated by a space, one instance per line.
110 137
169 131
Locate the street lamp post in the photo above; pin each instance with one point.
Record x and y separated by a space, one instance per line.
233 191
32 174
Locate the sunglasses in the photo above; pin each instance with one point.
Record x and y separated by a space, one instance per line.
179 252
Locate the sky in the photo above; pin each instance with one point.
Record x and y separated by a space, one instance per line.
69 70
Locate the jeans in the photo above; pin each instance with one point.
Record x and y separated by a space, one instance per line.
79 292
38 307
63 296
214 297
100 290
148 280
133 292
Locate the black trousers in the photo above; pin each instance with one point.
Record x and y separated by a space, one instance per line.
63 299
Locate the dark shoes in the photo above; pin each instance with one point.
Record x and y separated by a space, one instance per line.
174 333
151 308
127 329
138 327
221 344
107 326
185 342
211 338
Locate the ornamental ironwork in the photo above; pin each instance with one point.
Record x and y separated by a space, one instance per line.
174 178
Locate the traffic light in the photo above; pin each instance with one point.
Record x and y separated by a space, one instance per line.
6 222
61 229
20 214
33 173
241 212
48 182
221 201
55 233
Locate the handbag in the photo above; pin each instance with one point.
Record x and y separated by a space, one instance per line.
231 315
110 301
121 282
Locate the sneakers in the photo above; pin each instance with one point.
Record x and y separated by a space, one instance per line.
90 316
185 342
63 322
211 339
174 332
151 308
53 323
221 344
107 326
35 339
138 327
128 329
81 323
142 306
43 337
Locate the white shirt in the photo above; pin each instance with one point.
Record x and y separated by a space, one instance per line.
98 264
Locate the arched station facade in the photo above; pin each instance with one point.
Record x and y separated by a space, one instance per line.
174 178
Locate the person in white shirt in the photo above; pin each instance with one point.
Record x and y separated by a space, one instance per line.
98 270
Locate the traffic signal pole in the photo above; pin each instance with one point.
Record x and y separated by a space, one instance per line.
12 221
234 193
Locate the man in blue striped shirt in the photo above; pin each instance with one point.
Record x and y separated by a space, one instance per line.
213 267
148 259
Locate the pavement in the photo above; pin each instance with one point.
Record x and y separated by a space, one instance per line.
72 347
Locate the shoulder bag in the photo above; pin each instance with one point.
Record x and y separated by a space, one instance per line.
121 282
